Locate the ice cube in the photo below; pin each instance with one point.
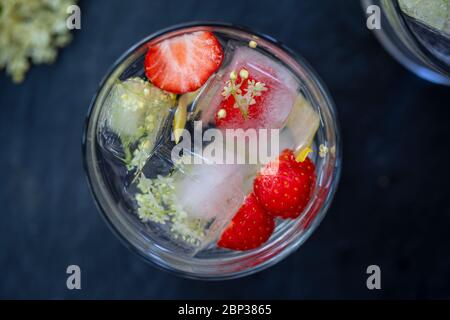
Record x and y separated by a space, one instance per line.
207 191
275 103
302 124
190 207
134 112
211 192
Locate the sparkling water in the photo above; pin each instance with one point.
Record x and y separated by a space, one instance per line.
185 207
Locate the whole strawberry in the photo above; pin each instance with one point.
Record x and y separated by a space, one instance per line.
250 227
284 187
288 156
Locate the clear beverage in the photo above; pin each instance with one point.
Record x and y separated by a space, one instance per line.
176 213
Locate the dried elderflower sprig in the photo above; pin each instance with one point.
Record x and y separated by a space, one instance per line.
31 31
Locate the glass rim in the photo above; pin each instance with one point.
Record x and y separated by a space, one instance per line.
278 249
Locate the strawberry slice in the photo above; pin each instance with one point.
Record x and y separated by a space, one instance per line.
183 63
284 187
250 227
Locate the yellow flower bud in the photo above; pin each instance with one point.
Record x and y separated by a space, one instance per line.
303 154
243 74
252 44
222 113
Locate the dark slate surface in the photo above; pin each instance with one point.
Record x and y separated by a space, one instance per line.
392 207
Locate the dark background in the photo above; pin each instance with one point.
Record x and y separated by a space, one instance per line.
391 209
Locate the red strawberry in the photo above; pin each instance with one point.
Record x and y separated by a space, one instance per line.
250 227
234 118
183 64
284 186
288 155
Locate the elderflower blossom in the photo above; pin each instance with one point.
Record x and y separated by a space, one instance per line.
31 31
157 203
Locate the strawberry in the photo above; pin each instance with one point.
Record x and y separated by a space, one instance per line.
232 117
250 227
284 187
183 63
